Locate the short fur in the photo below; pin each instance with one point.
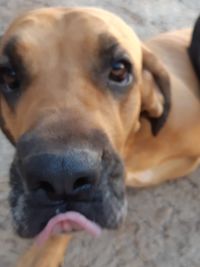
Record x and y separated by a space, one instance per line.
153 126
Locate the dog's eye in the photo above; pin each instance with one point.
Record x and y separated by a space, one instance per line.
120 75
119 71
9 81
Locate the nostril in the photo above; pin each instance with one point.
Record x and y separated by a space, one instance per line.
46 186
82 183
45 190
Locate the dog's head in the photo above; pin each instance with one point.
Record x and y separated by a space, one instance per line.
73 86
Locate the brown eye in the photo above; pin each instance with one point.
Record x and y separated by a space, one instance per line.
119 71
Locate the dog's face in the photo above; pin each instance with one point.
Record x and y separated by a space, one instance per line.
73 85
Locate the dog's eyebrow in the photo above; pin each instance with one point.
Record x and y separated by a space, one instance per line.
110 48
10 49
12 57
107 44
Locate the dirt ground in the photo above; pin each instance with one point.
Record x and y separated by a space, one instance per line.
163 223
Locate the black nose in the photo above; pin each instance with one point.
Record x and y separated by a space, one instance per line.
73 173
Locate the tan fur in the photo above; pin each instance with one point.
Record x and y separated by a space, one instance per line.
149 160
50 255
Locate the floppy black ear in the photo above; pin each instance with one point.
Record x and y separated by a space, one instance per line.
156 92
194 48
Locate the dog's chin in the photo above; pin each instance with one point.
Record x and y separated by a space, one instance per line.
32 211
29 221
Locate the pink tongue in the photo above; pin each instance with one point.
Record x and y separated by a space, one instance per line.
66 222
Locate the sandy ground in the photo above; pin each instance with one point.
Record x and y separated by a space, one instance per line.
163 224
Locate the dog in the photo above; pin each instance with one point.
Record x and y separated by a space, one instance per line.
91 109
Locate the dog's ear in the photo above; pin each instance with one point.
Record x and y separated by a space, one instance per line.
156 93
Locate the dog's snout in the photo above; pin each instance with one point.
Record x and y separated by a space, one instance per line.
73 173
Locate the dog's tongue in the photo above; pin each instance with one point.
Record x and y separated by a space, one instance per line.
66 222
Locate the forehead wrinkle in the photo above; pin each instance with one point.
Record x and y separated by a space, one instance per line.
9 48
32 28
14 50
110 47
107 42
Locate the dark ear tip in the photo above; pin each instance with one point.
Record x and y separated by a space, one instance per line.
155 125
158 123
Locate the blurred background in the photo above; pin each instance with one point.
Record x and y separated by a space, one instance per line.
163 224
